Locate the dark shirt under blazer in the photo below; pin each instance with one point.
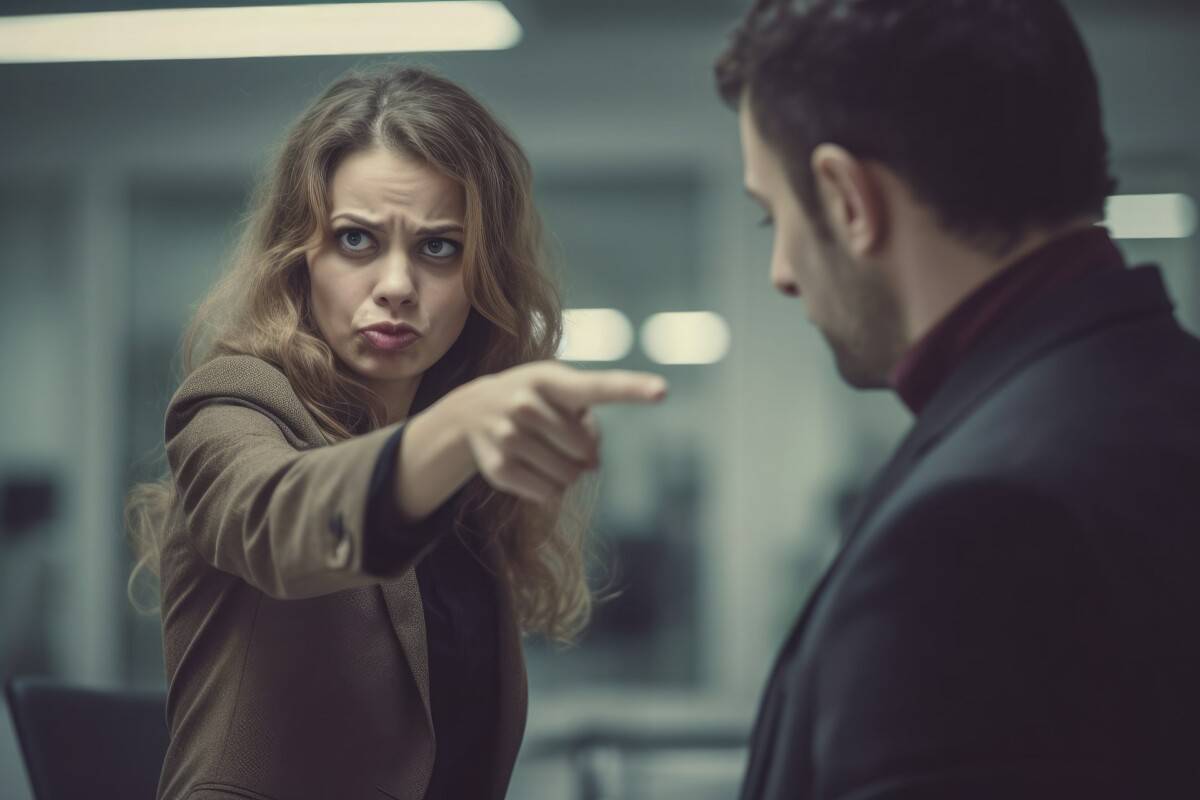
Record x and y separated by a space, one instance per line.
296 671
1014 612
458 593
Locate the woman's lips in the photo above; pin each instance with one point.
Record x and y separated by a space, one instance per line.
390 342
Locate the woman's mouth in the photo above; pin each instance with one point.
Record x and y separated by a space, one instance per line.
390 341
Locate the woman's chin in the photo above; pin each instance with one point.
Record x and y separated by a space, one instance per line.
387 369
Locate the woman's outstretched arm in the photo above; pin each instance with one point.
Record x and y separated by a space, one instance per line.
527 430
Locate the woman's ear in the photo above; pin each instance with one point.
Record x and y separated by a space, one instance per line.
852 197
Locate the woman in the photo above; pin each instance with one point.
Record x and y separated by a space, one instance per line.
369 464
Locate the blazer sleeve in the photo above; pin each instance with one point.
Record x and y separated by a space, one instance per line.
292 523
969 652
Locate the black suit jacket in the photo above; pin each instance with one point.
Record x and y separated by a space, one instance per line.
1015 612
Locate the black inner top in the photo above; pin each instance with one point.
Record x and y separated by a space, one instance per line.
458 593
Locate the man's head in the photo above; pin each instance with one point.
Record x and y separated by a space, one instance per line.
862 118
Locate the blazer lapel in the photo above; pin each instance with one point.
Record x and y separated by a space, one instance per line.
1099 301
403 600
883 484
407 614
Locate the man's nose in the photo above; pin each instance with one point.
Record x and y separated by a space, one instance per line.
783 279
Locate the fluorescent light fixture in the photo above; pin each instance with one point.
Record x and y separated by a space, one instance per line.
595 334
1151 216
253 31
685 337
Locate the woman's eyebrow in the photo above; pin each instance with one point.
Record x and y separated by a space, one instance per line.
366 223
432 229
438 230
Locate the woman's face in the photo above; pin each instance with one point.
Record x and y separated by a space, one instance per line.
386 281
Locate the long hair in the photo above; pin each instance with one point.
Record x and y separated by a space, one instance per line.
261 308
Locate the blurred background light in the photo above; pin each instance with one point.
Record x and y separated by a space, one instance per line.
1151 216
595 334
254 31
685 337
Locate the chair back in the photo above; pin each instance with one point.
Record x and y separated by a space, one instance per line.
87 742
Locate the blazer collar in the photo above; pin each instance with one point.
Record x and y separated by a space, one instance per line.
249 381
1100 300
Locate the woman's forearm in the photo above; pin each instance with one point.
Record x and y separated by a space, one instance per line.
434 460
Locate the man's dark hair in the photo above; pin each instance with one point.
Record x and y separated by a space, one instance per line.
988 109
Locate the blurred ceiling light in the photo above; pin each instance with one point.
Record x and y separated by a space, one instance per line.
253 31
685 337
595 334
1151 216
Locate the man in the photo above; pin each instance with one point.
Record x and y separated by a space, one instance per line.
1015 610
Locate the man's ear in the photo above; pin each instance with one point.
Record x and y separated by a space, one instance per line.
852 197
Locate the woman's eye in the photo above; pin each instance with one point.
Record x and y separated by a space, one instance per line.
766 221
440 248
355 240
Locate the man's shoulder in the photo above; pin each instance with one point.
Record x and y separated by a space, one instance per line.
1090 352
1085 416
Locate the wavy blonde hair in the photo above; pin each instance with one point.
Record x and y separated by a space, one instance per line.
260 307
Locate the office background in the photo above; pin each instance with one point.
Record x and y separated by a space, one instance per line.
121 185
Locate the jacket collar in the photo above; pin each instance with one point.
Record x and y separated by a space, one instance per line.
250 381
1098 301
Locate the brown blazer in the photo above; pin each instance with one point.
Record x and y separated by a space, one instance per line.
293 675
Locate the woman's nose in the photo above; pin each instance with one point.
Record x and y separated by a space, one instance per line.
396 284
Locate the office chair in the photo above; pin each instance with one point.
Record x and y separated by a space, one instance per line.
87 742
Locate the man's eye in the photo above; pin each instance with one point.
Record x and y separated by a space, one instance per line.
766 221
355 240
440 248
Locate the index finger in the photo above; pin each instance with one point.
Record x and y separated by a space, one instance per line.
578 390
